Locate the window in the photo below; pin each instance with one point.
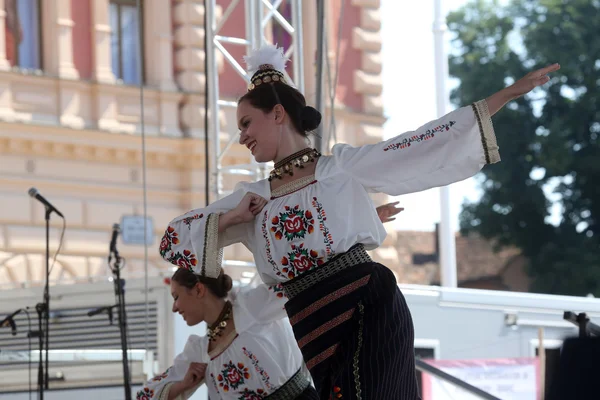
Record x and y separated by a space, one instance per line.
125 44
23 33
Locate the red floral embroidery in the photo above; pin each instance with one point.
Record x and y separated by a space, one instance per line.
168 240
322 217
278 290
300 260
184 260
429 134
145 394
188 220
233 376
268 245
294 223
252 395
159 378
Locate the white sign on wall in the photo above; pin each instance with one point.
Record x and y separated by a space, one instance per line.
132 230
514 379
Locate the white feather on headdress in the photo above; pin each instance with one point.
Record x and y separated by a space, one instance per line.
268 54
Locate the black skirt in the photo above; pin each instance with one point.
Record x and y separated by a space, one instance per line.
354 329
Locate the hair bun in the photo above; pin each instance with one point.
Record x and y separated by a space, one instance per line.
310 118
224 284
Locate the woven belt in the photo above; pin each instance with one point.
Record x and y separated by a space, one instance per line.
292 388
355 256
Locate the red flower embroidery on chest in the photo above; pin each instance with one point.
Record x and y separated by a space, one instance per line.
233 376
252 395
168 240
300 260
144 394
294 223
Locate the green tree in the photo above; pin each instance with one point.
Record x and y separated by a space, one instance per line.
548 139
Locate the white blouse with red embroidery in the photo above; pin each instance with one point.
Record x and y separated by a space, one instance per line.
260 356
307 222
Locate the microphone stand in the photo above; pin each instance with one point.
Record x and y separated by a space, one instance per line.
120 293
119 285
43 311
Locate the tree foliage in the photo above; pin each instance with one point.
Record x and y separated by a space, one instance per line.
548 140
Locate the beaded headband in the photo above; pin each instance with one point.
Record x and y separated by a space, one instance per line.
266 74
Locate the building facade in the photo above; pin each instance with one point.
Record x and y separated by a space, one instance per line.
71 120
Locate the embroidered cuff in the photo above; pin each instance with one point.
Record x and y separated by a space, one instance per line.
212 255
486 130
164 393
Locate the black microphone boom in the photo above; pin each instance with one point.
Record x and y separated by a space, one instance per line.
9 321
33 192
5 321
113 239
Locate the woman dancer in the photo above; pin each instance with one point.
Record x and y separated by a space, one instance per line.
246 353
258 319
309 225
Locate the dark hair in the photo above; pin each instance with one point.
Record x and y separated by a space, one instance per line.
266 96
219 286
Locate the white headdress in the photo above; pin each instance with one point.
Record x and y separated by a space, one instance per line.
266 65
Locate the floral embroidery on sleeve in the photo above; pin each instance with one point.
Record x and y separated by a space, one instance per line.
233 376
188 220
144 394
168 240
277 290
162 376
184 260
294 223
429 134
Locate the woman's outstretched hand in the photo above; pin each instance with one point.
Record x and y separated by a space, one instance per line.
520 88
532 80
387 211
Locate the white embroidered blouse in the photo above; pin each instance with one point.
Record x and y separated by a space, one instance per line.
261 354
307 222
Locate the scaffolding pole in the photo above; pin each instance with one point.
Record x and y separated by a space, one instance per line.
260 17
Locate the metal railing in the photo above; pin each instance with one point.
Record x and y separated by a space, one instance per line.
438 373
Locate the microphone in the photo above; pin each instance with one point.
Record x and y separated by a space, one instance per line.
113 240
9 321
109 311
33 192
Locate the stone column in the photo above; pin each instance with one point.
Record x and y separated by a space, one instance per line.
158 44
57 26
101 41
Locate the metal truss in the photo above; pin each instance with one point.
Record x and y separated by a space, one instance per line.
260 16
